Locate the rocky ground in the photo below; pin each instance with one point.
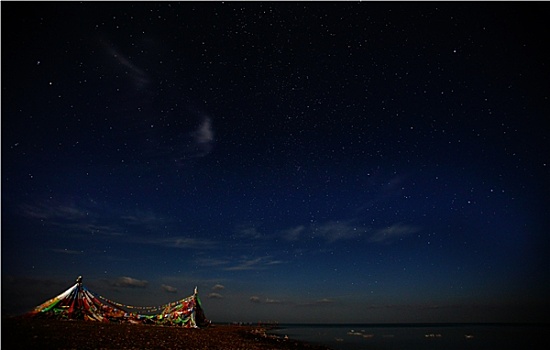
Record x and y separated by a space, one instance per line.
53 334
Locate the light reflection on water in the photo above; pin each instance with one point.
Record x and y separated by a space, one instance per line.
463 337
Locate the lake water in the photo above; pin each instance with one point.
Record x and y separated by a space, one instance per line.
422 337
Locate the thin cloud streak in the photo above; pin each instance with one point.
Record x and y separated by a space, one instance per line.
138 75
293 234
53 211
333 231
129 282
260 263
215 296
211 262
330 231
85 222
272 301
168 289
182 242
79 221
67 251
393 232
253 264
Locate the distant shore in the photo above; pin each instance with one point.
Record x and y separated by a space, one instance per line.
20 333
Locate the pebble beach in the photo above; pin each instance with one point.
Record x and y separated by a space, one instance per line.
20 333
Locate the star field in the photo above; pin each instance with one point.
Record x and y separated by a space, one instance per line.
356 162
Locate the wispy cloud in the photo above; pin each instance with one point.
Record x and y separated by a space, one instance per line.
52 210
243 263
270 301
293 234
393 232
138 76
74 217
246 264
182 242
325 301
336 230
203 139
319 302
248 232
168 289
211 262
218 287
143 218
89 228
67 251
204 133
333 231
196 143
330 231
129 282
215 296
88 221
258 300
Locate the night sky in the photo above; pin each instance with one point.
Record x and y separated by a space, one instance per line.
298 162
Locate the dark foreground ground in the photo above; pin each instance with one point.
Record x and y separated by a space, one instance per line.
51 334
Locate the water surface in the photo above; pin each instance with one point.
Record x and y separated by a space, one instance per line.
421 337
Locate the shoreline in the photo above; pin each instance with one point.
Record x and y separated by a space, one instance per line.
20 333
